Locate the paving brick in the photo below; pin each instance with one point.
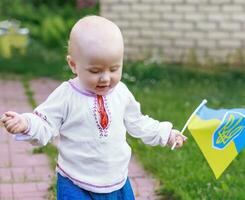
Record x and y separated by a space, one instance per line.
5 175
4 161
6 191
23 174
135 170
42 87
42 186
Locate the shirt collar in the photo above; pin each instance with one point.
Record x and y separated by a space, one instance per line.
80 89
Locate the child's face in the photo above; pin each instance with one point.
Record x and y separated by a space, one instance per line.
100 73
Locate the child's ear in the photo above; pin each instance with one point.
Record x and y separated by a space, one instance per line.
71 64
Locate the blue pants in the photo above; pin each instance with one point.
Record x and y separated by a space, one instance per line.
66 190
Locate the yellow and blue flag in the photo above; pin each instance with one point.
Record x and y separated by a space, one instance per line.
220 134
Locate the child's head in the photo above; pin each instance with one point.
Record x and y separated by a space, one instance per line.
96 53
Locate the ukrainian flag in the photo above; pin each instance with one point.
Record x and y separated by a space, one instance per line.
220 134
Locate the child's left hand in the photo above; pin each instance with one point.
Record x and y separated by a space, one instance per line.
176 137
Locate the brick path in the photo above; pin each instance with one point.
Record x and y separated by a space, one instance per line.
24 176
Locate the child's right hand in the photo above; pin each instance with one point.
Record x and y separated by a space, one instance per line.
14 122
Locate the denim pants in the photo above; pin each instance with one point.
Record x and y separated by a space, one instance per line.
67 190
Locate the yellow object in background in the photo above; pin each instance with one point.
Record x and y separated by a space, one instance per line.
12 37
5 49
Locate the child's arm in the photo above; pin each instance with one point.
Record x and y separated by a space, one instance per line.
43 124
151 131
30 127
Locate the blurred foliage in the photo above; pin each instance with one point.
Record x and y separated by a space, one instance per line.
52 3
48 21
55 30
38 61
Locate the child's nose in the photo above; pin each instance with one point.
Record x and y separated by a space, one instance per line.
105 77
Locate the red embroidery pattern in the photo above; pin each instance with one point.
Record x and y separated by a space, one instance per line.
102 115
102 112
40 115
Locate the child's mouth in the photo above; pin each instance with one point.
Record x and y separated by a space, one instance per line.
102 87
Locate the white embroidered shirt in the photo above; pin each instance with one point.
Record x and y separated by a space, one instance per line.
94 158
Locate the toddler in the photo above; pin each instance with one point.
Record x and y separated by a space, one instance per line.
92 113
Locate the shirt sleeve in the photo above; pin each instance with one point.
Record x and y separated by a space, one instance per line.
46 120
150 131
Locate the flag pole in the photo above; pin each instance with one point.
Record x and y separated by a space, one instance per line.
204 101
